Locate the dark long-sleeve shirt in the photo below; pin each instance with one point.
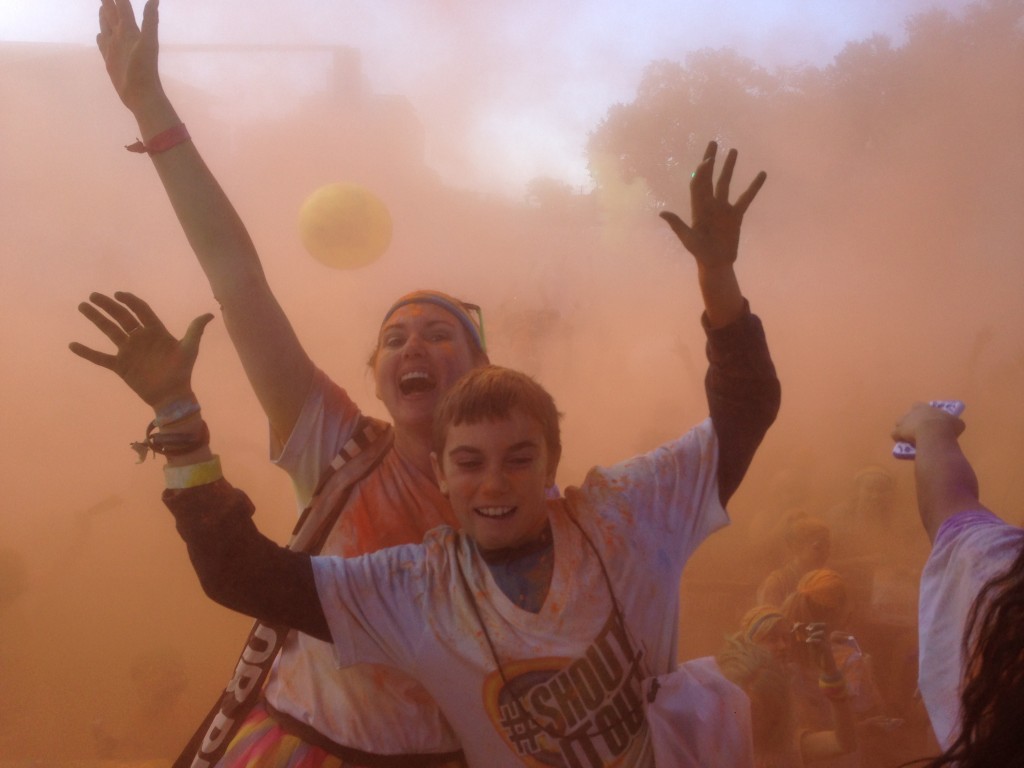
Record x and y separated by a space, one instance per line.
247 572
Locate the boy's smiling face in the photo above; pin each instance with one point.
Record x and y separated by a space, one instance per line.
495 474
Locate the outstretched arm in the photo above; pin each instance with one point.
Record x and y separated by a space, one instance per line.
237 566
742 387
946 483
713 236
240 568
278 368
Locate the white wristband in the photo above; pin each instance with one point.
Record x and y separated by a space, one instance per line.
179 410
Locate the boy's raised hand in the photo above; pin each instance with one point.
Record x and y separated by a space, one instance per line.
713 235
157 366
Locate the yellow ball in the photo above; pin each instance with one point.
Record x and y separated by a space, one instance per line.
345 226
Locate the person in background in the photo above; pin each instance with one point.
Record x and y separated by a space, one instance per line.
971 609
808 543
765 626
779 740
821 597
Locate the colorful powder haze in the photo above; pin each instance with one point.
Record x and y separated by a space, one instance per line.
884 255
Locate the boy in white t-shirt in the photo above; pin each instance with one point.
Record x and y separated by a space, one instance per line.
535 624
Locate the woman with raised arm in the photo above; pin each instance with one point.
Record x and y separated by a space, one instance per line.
310 710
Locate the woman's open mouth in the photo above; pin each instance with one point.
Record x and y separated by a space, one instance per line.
414 382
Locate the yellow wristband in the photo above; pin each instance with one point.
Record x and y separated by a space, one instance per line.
207 472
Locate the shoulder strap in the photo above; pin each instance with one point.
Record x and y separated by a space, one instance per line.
357 458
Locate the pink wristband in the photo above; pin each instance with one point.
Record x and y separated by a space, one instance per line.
163 141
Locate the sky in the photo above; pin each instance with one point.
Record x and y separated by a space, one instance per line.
520 83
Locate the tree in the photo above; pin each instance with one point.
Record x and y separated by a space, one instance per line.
661 135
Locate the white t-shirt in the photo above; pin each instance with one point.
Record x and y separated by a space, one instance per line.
970 549
573 665
710 716
369 707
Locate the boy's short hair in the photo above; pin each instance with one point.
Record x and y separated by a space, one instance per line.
491 393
